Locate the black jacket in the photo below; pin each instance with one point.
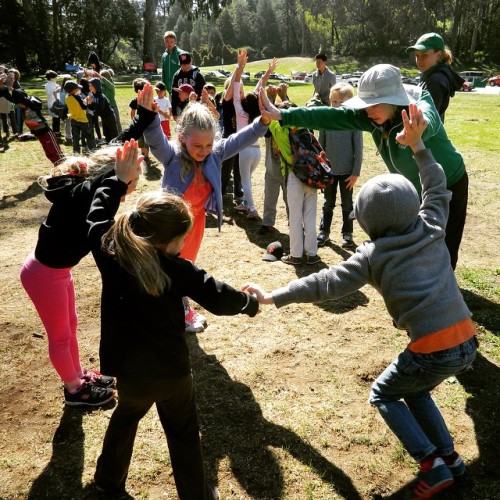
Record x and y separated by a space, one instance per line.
441 82
142 336
62 237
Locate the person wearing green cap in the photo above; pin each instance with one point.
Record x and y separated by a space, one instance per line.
433 59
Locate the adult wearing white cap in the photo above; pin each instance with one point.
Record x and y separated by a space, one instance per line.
377 109
433 59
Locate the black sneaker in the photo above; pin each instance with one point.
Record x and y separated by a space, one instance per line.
95 377
88 395
323 238
347 241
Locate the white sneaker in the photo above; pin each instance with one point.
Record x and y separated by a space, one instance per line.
192 324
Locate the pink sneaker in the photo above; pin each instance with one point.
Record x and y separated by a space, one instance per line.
192 325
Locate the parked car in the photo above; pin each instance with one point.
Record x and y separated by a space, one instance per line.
259 74
225 72
278 76
493 81
214 74
308 78
467 87
350 79
409 80
299 75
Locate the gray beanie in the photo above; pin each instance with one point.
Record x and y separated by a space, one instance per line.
387 205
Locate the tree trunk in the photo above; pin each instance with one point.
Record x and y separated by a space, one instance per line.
148 54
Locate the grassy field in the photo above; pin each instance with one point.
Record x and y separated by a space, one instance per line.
282 397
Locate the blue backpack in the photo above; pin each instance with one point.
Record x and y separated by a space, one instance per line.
310 164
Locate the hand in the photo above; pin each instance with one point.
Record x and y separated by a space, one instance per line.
414 127
145 98
258 293
128 164
350 181
242 59
193 96
283 91
268 110
273 65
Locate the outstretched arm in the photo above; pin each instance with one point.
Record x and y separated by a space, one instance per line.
265 77
414 127
242 59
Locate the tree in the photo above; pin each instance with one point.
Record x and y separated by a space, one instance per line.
150 31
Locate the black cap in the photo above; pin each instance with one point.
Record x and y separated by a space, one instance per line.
274 252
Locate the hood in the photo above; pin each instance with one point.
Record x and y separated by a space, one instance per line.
456 81
387 205
96 82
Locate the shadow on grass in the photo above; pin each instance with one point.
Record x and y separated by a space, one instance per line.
233 427
62 477
11 200
484 312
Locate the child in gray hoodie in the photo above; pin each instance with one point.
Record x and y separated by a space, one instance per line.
407 261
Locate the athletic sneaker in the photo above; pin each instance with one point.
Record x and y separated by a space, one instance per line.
96 378
323 238
289 259
347 241
88 395
192 323
455 463
312 259
434 479
241 207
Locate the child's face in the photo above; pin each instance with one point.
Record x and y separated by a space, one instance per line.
161 93
211 92
199 144
92 88
75 91
336 100
183 96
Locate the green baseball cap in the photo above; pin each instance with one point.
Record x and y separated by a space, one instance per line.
427 42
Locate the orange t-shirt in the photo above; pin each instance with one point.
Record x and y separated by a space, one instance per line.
197 195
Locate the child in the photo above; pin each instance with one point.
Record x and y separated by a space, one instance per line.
46 273
109 90
142 326
193 168
68 135
99 104
247 109
187 74
138 85
164 108
408 262
301 200
344 149
38 126
77 111
185 94
52 89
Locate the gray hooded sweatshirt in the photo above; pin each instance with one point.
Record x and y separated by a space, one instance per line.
406 259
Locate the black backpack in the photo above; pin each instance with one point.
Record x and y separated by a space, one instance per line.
59 109
310 164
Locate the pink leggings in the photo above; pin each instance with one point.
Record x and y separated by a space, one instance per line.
53 294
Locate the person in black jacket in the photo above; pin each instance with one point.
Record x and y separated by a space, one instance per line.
434 59
99 104
46 273
142 325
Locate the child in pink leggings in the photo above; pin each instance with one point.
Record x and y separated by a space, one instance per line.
46 273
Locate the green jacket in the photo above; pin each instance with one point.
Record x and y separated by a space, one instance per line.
281 138
108 89
398 158
169 65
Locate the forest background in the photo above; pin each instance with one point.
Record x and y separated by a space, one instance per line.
41 34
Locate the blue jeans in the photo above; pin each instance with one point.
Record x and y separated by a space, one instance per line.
417 421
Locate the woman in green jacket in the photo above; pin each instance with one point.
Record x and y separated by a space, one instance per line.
377 109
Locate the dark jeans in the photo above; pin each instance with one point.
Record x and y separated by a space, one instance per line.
81 129
109 126
456 217
329 204
5 125
231 165
175 403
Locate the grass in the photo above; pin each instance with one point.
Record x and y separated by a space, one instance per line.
281 397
